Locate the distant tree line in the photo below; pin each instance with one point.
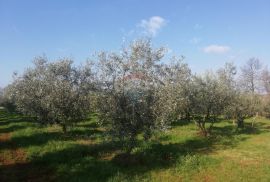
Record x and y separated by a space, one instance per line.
135 92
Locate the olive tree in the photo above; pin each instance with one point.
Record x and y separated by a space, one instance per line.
227 79
238 104
244 105
265 77
175 91
6 100
129 84
250 82
1 96
209 97
56 92
266 106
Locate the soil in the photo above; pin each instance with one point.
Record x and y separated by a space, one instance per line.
14 165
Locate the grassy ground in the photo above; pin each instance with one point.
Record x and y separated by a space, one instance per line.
30 152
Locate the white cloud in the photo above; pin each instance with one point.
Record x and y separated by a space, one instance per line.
152 25
217 49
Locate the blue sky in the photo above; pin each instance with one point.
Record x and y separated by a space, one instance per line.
208 33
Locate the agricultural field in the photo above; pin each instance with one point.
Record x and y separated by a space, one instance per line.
134 91
32 152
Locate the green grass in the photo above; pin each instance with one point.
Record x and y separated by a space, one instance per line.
86 154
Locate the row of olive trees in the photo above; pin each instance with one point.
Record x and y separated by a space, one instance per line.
1 95
135 93
265 80
53 92
254 81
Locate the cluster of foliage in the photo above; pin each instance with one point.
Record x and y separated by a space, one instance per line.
266 87
53 92
1 96
134 96
135 93
5 100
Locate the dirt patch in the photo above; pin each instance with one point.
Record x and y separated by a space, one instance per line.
5 155
11 155
4 137
14 165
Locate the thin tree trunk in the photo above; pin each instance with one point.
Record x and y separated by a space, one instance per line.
64 128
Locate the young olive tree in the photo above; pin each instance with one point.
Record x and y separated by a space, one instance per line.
56 92
265 77
238 104
1 96
250 81
129 83
6 101
207 101
230 90
175 91
266 106
245 105
211 96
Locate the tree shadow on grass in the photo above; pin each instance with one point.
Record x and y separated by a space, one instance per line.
16 119
89 125
76 163
85 162
258 127
11 129
80 162
229 136
43 137
86 133
181 122
88 165
231 130
26 172
32 140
